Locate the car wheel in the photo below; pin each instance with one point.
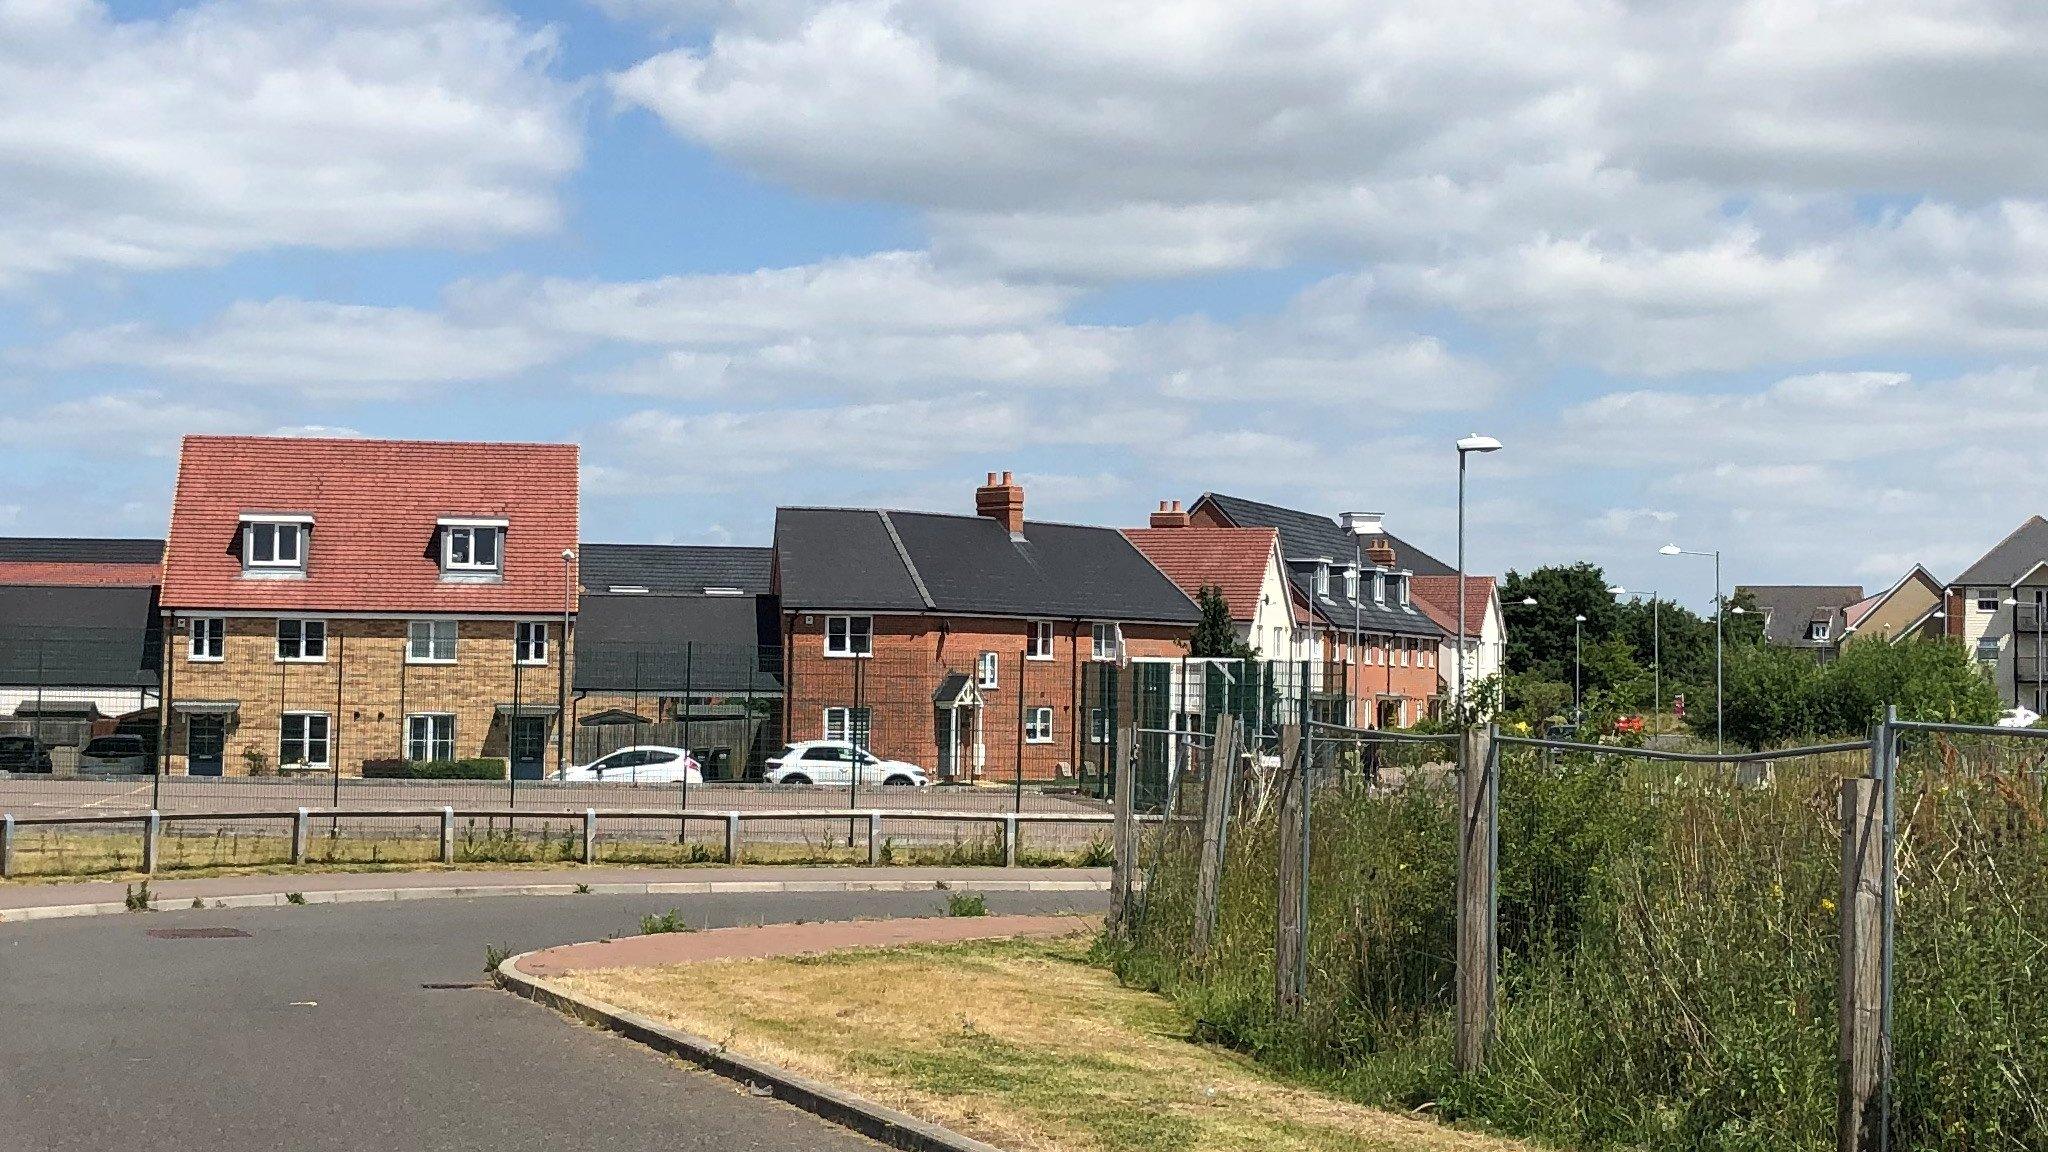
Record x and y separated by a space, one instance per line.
898 781
796 778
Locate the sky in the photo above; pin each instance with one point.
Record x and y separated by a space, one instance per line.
1769 277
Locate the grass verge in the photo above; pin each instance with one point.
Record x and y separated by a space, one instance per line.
1023 1044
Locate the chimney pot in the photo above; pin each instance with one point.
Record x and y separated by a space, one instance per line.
1002 502
1006 478
1169 515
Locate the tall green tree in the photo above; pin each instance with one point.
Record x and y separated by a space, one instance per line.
1540 634
1216 634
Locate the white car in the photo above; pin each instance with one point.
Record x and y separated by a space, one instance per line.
640 764
113 755
831 762
2020 717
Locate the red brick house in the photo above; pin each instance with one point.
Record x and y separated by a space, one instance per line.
331 601
1372 650
964 644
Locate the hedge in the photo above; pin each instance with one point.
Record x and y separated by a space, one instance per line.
475 768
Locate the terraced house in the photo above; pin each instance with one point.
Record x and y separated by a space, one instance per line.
332 601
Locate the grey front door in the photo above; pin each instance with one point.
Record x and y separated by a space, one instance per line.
206 739
529 739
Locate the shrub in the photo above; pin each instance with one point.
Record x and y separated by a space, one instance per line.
966 904
475 768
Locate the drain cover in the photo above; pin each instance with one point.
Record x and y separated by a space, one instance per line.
197 934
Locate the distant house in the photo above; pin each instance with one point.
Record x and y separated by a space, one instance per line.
1908 608
1483 638
678 644
1372 651
2008 639
79 633
971 645
1244 563
332 601
1812 618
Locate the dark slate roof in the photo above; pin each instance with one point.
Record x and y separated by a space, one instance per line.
78 637
882 561
1307 535
657 643
2012 558
76 550
1789 608
675 567
1335 611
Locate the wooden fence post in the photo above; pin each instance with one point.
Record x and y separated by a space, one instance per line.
1288 930
1215 815
299 828
735 840
1862 988
590 835
152 831
1124 833
447 835
1477 943
7 846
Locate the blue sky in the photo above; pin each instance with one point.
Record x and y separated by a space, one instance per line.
1767 276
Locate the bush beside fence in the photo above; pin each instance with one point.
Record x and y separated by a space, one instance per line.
475 768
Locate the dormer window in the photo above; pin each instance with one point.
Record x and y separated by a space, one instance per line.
1817 630
1379 587
1323 580
1351 585
472 547
274 543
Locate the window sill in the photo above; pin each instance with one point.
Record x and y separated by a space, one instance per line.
300 660
525 663
273 573
205 659
1045 659
428 660
1038 743
849 655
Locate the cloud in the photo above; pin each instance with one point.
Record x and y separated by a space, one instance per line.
242 125
315 349
117 425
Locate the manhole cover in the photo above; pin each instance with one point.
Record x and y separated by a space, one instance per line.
197 934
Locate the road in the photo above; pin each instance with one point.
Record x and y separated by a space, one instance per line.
321 1029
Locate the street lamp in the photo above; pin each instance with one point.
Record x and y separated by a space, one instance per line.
1360 525
1466 446
1656 645
562 664
1578 623
1719 612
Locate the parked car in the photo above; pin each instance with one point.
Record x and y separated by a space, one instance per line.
23 754
640 764
832 762
113 755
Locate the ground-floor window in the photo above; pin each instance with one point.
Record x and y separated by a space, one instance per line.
430 736
302 739
1038 726
1098 726
848 724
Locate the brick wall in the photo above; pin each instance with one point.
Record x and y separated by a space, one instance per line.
913 655
365 687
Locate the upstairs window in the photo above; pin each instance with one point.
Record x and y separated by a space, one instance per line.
1351 584
530 642
471 547
1105 640
208 639
1039 644
274 544
430 642
304 641
849 635
985 670
1323 580
1987 599
1817 630
1379 587
1987 650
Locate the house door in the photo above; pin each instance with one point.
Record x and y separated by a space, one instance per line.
206 739
529 740
949 743
1390 713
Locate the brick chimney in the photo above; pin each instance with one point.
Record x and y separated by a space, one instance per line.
1380 551
1169 516
1003 502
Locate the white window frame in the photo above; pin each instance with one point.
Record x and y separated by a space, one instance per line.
1038 640
1352 585
530 642
1096 632
305 740
1038 725
302 624
987 670
1322 581
432 635
1987 649
846 649
1404 651
1098 726
1379 587
413 740
1986 599
213 629
1817 630
845 715
471 533
251 529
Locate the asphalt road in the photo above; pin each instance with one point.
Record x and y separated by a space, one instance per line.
318 1030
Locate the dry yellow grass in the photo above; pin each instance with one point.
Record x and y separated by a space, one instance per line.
1019 1043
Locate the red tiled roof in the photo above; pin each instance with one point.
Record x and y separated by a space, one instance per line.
374 505
60 574
1233 559
1437 596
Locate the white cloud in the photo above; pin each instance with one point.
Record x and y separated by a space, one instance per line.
120 424
317 349
240 125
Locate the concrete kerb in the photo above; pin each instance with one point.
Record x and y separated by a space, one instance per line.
877 1122
283 897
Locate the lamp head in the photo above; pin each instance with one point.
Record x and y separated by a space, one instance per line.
1670 550
1477 443
1578 619
1528 601
568 554
1617 590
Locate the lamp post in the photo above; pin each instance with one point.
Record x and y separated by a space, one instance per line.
1466 446
1360 525
1578 709
562 666
1656 646
1720 611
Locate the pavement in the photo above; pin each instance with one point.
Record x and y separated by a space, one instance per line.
809 939
353 1026
25 901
